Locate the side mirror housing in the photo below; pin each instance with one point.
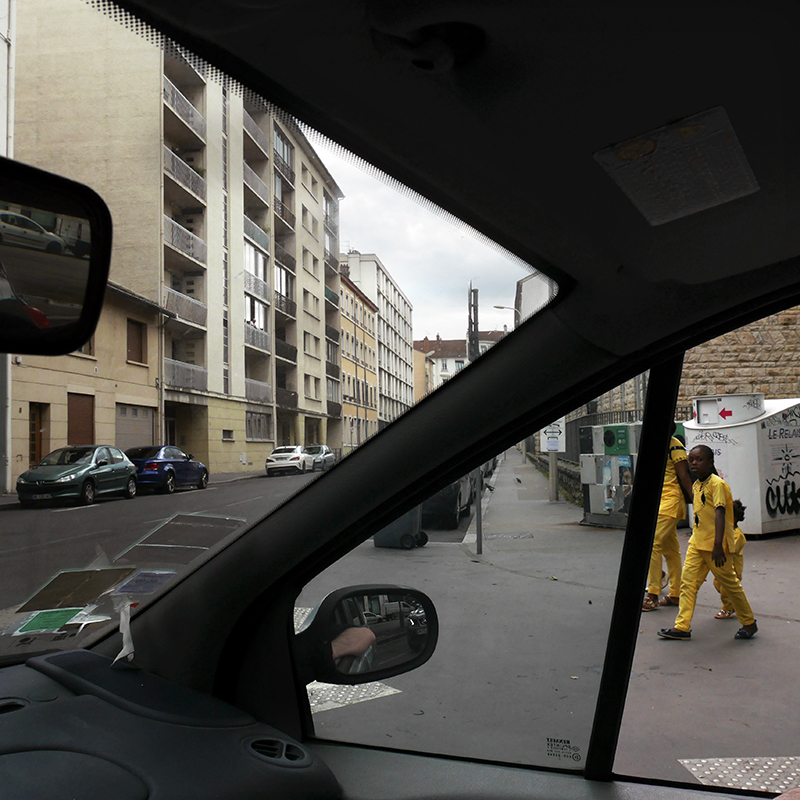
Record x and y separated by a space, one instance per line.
366 633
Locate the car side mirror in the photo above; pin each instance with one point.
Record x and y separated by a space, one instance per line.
52 286
366 633
189 457
102 463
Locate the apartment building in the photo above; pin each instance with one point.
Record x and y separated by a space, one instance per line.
359 366
395 360
447 357
226 223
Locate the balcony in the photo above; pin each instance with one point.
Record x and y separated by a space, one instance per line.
257 234
285 305
332 333
334 409
183 174
286 398
185 241
282 211
332 370
283 167
255 337
256 184
183 109
285 350
256 134
257 391
330 222
255 286
185 307
180 375
331 262
286 260
331 296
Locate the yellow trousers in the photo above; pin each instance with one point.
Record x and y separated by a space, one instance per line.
696 567
665 544
737 560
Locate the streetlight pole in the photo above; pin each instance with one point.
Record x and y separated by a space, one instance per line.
517 316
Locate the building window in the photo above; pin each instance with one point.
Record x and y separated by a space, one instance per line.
227 436
87 349
137 341
255 262
311 303
311 344
258 426
312 387
459 365
283 148
310 263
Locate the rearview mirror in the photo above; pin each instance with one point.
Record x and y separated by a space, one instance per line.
367 633
55 252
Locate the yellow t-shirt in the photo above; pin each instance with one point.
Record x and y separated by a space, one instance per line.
708 496
672 502
739 540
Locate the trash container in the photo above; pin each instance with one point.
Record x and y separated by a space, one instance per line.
405 532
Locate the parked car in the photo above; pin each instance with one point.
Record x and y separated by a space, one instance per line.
324 457
166 467
289 459
78 473
22 231
449 504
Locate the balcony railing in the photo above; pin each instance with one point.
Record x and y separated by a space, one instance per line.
283 257
331 295
334 409
282 210
257 234
185 307
331 261
257 287
332 370
185 241
283 167
284 304
255 337
255 183
256 134
286 398
257 391
180 375
332 333
183 108
330 221
184 174
285 350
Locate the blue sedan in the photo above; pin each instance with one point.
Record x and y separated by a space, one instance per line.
167 467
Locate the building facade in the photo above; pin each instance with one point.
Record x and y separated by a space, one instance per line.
395 360
226 221
359 366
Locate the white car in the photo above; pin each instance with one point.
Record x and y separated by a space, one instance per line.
290 458
324 457
22 231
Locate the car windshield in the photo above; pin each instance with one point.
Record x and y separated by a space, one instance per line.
142 452
68 455
314 450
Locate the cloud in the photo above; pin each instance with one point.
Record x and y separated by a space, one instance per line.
432 260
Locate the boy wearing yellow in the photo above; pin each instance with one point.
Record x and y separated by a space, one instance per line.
677 484
711 543
737 559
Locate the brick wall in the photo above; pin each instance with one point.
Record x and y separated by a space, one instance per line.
761 357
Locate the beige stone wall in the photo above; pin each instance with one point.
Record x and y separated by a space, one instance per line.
761 357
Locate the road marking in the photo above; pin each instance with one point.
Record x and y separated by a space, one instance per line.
240 502
753 774
326 696
54 541
74 508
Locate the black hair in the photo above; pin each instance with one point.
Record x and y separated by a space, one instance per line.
705 449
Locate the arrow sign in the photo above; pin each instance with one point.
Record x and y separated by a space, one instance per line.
725 413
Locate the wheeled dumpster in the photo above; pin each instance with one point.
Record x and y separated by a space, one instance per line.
405 532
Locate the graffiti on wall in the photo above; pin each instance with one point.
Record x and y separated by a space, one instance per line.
781 495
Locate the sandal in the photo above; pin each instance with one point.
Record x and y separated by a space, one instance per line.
669 601
648 604
724 614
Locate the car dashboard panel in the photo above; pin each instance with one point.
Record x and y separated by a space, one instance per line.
71 725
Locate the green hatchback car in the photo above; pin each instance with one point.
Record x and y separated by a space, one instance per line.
79 473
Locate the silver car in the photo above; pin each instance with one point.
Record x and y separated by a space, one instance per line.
323 456
22 231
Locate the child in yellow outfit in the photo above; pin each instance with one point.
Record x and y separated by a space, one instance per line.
709 548
737 559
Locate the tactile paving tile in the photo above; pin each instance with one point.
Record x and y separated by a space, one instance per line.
325 696
755 774
522 535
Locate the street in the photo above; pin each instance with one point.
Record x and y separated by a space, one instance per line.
523 629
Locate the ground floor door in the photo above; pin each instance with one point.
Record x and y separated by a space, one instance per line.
37 418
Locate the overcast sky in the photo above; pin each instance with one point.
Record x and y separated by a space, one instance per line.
431 260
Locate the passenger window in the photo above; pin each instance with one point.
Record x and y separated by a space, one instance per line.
740 397
524 606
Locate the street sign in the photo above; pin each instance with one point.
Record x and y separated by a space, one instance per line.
553 437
